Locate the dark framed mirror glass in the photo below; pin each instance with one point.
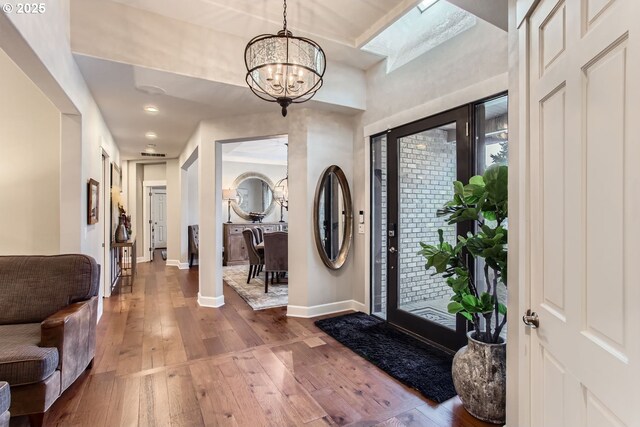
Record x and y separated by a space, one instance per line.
255 195
333 217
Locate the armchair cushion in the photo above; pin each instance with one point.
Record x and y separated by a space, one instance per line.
49 283
22 361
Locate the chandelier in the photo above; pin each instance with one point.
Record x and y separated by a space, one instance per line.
282 68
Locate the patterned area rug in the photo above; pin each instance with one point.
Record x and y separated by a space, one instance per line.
253 292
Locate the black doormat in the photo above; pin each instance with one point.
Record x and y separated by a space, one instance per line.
407 359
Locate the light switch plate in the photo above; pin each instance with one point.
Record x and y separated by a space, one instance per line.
361 228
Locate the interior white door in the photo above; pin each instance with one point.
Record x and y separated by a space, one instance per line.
159 218
584 202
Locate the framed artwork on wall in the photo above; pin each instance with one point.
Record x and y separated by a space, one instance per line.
93 201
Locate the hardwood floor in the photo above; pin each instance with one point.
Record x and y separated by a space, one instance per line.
164 361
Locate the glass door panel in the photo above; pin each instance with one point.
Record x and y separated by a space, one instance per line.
492 145
423 160
379 187
426 171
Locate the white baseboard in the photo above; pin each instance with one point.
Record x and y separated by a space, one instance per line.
142 259
214 302
322 309
177 263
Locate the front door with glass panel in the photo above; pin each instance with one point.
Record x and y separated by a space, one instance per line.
413 169
424 158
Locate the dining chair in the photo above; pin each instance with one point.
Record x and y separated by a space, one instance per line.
260 232
255 259
276 255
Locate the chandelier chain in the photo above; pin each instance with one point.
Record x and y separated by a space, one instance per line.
284 15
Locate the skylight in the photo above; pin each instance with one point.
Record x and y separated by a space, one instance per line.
426 4
416 32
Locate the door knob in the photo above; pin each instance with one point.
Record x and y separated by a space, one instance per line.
531 319
392 250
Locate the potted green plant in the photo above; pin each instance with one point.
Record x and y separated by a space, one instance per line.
479 369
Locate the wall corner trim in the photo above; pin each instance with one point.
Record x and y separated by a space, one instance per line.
213 302
322 309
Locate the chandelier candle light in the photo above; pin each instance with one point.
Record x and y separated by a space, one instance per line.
284 69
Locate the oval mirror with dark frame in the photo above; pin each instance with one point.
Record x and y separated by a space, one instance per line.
333 217
255 196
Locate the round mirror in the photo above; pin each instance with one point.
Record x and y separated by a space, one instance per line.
333 217
255 196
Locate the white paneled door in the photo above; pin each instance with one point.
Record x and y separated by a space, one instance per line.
583 74
159 218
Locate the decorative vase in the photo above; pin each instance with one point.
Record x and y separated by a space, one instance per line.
480 377
121 233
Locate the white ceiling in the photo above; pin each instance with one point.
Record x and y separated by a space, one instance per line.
336 24
269 151
185 103
341 27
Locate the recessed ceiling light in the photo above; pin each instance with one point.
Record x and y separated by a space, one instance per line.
151 135
426 4
151 109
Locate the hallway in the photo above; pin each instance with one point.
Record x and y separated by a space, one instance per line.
162 360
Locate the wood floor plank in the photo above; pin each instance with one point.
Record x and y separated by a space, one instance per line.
125 401
94 404
359 398
294 392
244 331
275 404
154 400
182 394
193 345
217 403
339 410
415 418
252 413
162 360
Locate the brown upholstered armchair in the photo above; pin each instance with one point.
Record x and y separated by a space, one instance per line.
276 255
48 315
194 242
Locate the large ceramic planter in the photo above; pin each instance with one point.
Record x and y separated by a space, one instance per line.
479 376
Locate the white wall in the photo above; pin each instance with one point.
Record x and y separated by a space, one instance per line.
29 166
172 174
192 182
155 172
39 45
231 170
318 141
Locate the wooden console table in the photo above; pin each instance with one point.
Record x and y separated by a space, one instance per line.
235 252
125 255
